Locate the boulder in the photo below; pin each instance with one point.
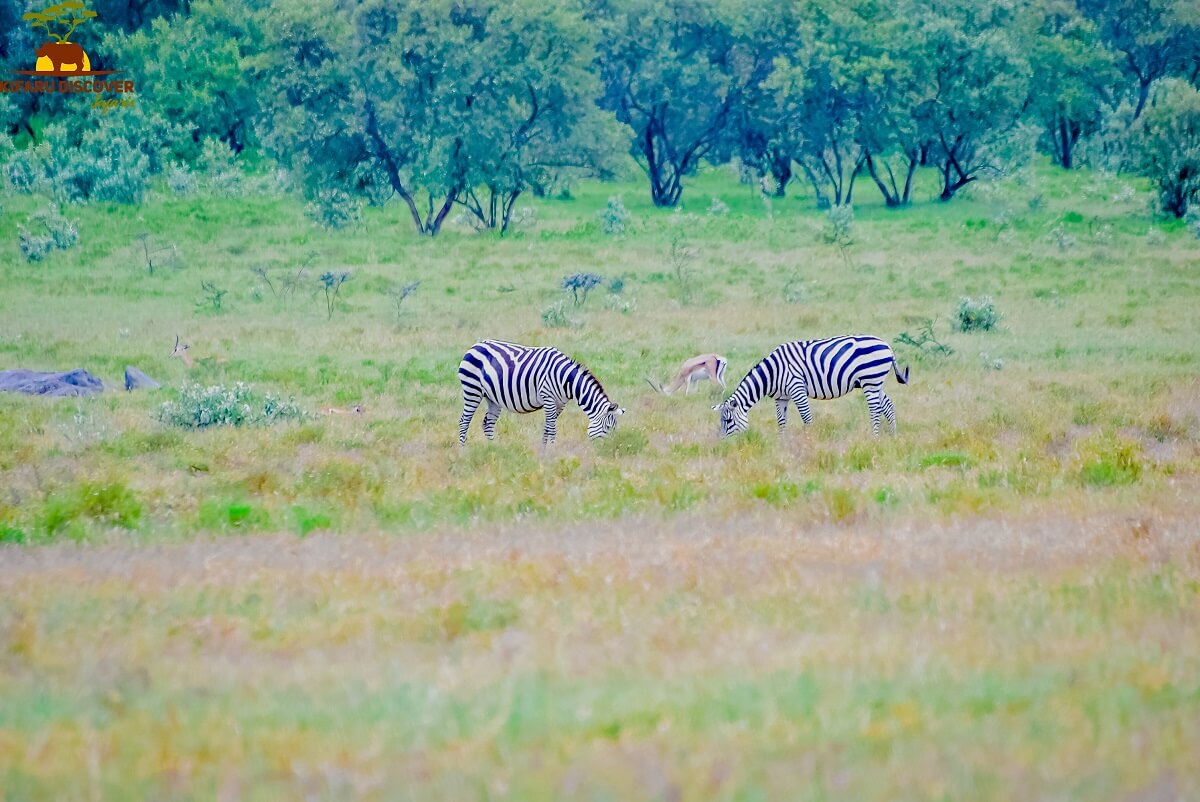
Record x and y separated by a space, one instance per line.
136 380
32 382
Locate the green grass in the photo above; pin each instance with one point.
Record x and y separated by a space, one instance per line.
996 603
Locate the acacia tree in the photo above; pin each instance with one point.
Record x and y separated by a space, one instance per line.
979 90
215 47
1154 38
674 72
1167 145
1072 73
437 102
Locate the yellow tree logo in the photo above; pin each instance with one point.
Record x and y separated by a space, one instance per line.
59 55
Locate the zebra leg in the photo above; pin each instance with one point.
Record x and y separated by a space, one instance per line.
889 411
781 411
799 392
551 424
489 420
874 406
470 404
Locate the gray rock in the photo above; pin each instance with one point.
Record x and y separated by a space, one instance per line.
136 380
32 382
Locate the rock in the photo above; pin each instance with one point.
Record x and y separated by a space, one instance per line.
136 380
32 382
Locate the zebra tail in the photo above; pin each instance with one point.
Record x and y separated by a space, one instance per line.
900 377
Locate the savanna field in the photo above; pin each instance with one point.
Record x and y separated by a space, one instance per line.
1000 602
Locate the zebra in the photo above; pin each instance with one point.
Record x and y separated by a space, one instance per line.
829 368
523 379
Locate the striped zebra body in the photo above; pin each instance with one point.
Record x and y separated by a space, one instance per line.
830 368
523 379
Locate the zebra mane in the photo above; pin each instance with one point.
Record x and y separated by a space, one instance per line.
583 376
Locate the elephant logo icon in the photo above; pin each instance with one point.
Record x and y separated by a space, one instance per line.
59 55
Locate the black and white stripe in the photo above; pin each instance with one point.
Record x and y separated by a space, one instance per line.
524 379
830 368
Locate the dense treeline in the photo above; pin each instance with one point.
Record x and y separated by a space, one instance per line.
471 103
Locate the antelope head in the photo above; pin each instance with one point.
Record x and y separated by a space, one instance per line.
181 351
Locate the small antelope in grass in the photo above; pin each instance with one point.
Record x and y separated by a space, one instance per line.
181 351
356 409
797 371
695 370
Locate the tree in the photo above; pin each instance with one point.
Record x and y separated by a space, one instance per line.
673 71
1155 38
980 86
1167 144
214 47
1073 72
435 101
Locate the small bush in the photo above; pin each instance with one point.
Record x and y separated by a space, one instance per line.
335 209
218 164
718 208
180 179
977 315
580 284
48 231
557 316
614 217
202 407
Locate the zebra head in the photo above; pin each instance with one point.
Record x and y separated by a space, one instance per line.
604 420
734 417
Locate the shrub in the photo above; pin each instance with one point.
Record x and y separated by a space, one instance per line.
977 315
1166 143
839 229
218 164
556 316
202 407
104 166
180 179
718 208
48 231
614 217
334 209
580 284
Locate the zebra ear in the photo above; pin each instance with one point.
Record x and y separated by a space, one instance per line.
717 407
620 410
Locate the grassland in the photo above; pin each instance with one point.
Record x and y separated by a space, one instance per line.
1000 602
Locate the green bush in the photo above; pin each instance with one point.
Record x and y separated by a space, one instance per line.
1166 144
556 316
103 166
334 209
977 315
201 407
614 217
47 231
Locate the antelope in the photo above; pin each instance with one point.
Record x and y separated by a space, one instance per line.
695 370
356 409
181 351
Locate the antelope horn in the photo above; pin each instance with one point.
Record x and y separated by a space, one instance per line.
655 387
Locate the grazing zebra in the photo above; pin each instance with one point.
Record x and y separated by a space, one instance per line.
830 368
524 379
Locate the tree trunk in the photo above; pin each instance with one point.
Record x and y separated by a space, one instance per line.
781 171
1143 96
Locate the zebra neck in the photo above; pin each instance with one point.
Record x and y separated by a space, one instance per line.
756 384
588 393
